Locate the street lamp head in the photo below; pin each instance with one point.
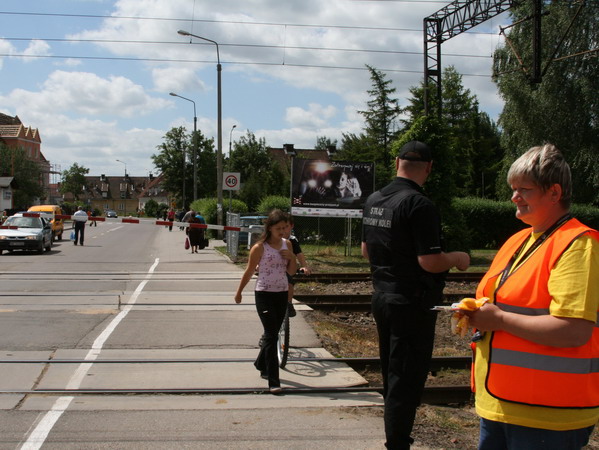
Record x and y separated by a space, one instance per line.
173 94
184 33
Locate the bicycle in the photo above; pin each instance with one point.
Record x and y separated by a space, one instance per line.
283 341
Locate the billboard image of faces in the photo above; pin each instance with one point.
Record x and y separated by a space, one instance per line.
330 188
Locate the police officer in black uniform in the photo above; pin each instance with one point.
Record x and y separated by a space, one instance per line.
401 237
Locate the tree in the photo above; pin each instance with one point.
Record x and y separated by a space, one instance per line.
380 117
260 175
323 143
26 184
173 165
564 107
473 137
170 162
73 180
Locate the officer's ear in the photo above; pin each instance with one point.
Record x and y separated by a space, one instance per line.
396 163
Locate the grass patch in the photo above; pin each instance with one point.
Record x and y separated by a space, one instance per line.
336 258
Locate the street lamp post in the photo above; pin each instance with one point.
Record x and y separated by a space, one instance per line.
122 162
194 148
125 202
230 165
219 154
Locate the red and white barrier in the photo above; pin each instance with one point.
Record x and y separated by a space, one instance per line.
164 223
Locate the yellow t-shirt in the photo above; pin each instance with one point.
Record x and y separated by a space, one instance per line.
574 288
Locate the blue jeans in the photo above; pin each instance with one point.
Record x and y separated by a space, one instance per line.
501 436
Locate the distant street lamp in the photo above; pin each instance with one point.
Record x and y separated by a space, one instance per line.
125 199
230 137
219 154
118 160
230 165
194 153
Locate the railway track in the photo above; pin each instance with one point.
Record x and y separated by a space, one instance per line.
357 302
434 395
336 277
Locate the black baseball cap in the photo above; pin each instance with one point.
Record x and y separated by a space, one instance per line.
416 151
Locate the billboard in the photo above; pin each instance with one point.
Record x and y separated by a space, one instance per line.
330 188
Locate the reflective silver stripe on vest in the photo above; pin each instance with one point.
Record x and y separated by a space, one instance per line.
524 311
558 364
531 311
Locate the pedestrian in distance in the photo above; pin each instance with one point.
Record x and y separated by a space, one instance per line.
535 367
401 238
79 219
170 216
272 254
303 265
195 234
93 223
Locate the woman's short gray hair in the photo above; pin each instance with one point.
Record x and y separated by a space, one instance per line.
544 166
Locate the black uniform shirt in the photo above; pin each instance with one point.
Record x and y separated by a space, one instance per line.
399 224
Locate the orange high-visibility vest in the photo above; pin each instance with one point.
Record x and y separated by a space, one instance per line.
524 372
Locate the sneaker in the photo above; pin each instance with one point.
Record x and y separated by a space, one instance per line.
276 390
291 309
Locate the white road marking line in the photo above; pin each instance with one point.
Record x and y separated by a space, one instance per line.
38 436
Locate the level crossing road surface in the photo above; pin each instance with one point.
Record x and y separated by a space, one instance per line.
135 311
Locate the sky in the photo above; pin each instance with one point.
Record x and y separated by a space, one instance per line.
94 76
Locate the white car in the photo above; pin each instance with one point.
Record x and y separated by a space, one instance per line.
25 233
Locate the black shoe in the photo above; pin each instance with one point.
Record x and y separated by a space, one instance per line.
291 309
264 375
75 243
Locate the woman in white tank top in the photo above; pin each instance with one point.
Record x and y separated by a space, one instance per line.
274 258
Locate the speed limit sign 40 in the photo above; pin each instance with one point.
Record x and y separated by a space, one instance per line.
231 181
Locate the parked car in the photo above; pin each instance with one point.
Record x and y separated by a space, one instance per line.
111 213
257 226
25 233
57 224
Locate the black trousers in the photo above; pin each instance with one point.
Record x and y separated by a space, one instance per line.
79 232
406 338
271 307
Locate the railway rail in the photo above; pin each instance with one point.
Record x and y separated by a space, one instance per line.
358 302
337 277
439 394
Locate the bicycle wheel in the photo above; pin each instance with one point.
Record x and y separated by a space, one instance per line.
283 341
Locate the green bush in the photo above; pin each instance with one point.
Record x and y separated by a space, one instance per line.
589 215
267 204
488 223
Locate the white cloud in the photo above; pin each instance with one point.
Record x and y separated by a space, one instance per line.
36 48
313 119
286 61
176 79
87 93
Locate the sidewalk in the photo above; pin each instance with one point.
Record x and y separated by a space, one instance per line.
186 311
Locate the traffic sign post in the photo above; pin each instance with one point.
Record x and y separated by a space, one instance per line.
231 181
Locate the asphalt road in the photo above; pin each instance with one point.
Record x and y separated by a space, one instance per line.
135 312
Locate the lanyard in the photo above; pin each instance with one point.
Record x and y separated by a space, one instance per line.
536 244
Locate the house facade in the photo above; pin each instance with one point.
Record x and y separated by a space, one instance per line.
126 195
18 137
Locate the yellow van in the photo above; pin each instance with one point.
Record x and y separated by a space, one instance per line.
57 224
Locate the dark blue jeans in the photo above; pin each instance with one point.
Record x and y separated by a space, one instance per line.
271 307
406 338
503 436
